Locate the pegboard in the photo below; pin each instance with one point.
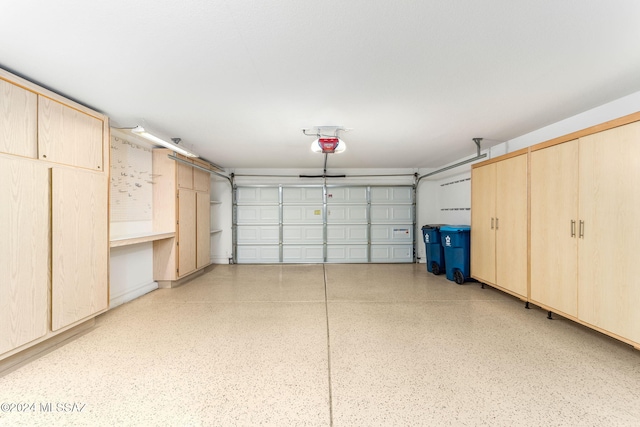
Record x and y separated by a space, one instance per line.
131 181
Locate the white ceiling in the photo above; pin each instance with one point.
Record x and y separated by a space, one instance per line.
237 80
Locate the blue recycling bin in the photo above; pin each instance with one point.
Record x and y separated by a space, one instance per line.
456 243
433 248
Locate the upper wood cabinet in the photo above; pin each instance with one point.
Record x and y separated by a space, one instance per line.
185 173
18 120
69 136
499 223
201 179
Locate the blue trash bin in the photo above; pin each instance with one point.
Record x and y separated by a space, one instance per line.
456 244
433 248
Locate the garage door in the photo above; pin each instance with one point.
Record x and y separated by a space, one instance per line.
312 224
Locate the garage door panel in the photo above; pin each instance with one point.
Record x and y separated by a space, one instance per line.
392 213
258 234
353 214
248 195
258 254
303 234
347 195
258 215
347 253
302 214
392 233
391 253
347 233
302 254
392 195
302 195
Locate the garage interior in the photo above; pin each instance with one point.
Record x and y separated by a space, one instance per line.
212 213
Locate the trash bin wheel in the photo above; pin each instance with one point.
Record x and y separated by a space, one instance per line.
458 277
435 268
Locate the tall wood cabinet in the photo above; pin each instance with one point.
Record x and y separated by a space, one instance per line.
499 223
53 215
181 197
554 227
585 202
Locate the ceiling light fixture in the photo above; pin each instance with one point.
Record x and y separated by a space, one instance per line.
328 145
139 130
327 140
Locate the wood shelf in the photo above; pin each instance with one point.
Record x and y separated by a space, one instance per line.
134 239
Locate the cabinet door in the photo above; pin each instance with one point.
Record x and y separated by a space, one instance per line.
186 232
24 252
185 175
554 205
201 180
203 238
80 243
483 242
511 224
18 120
608 287
68 136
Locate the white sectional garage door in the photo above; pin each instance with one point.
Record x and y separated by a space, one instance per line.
314 224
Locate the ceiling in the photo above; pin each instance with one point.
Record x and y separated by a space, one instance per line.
414 80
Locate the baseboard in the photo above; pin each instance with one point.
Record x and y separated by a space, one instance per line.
18 360
133 294
166 284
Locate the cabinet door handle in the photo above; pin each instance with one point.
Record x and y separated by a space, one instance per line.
573 228
581 230
496 223
492 223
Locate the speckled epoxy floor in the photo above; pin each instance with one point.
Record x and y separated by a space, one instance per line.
253 345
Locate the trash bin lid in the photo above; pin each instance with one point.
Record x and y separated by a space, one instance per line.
431 226
455 228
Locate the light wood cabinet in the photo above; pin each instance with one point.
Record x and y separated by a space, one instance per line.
80 246
185 174
69 136
483 239
608 232
18 120
24 252
499 223
201 179
187 236
554 227
584 239
177 195
54 154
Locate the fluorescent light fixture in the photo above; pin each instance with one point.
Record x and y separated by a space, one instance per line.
327 145
139 130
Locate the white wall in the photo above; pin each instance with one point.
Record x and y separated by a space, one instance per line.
130 267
